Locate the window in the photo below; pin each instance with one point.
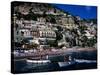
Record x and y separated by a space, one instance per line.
17 32
22 33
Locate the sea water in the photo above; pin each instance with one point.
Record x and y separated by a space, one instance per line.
84 60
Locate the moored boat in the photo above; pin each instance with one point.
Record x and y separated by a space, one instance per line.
64 64
67 62
38 61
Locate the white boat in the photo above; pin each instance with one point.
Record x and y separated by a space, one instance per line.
69 62
38 61
64 64
85 61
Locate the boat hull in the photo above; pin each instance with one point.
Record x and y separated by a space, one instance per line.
38 61
64 64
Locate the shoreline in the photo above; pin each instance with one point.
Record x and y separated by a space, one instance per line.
54 53
82 49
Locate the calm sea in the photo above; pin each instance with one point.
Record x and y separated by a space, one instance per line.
23 67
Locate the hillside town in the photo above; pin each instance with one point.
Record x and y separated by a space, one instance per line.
48 38
43 26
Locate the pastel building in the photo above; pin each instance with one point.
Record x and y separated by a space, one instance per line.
68 22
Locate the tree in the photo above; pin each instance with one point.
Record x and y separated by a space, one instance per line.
59 35
52 43
34 45
82 29
24 41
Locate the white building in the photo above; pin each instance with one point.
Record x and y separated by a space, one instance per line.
89 35
68 22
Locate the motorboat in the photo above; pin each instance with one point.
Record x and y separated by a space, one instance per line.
70 61
38 61
85 61
64 64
